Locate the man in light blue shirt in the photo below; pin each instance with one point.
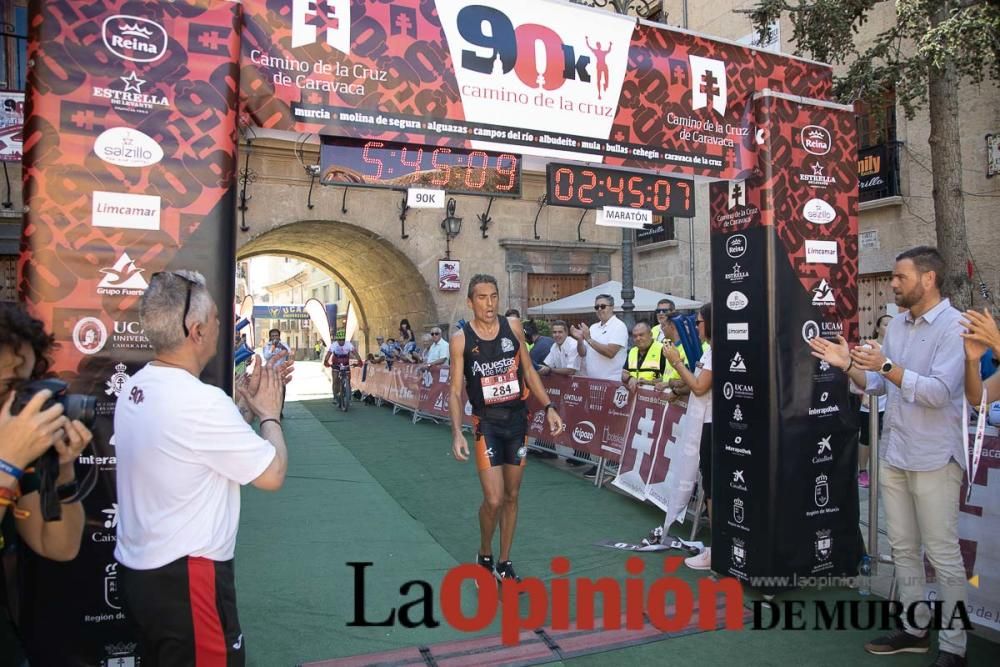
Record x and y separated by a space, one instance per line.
921 370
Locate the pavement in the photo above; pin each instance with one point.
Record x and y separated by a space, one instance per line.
334 567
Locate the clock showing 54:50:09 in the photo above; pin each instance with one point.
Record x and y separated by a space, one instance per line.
390 164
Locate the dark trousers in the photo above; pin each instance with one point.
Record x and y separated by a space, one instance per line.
185 613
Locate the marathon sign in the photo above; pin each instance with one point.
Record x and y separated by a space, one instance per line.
528 76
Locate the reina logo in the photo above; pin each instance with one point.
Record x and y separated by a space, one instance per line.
132 38
736 246
816 139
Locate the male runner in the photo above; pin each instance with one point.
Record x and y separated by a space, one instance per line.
492 353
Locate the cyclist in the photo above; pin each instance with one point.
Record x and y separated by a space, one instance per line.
339 354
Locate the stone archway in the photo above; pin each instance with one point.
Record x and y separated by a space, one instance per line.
383 283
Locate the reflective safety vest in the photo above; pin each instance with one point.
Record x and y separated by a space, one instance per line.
650 369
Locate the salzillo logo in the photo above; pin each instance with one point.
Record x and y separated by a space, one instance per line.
736 245
133 38
821 252
737 331
127 148
737 301
90 335
816 139
336 24
584 433
127 211
819 212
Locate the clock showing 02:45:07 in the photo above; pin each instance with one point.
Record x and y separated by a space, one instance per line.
390 164
583 186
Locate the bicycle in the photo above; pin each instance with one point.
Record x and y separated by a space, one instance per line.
342 386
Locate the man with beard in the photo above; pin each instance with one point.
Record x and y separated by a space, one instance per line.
497 372
920 367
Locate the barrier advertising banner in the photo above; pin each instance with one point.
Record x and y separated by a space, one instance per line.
979 534
514 76
785 439
129 162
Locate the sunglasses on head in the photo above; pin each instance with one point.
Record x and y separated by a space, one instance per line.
187 298
601 306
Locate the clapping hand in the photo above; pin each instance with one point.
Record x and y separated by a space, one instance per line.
981 333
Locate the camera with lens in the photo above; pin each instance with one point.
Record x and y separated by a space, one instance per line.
75 407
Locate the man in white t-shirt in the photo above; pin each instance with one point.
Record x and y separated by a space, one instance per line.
183 451
562 359
602 347
438 353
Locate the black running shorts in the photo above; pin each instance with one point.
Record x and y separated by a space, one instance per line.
500 443
185 613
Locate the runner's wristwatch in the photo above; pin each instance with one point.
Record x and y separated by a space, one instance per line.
886 367
551 406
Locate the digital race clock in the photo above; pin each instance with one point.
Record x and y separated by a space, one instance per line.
596 187
389 164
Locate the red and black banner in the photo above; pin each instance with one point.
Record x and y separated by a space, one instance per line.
785 261
470 75
130 146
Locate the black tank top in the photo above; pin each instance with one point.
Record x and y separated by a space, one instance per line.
494 379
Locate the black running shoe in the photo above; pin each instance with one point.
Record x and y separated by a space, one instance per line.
487 562
505 572
898 642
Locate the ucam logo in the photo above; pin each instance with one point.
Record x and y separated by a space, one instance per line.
737 300
333 15
90 335
821 252
815 139
736 245
583 433
737 331
126 147
819 212
810 330
132 38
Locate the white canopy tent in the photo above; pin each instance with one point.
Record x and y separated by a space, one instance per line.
583 302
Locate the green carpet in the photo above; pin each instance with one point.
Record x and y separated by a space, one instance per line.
370 486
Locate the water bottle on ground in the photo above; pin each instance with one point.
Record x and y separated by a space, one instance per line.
865 576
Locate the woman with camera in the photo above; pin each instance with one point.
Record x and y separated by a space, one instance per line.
24 437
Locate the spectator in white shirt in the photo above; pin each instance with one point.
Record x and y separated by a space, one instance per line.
562 359
438 352
603 346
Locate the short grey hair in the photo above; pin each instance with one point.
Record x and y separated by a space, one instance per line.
605 297
162 306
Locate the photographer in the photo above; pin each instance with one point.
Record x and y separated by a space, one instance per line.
183 452
24 437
